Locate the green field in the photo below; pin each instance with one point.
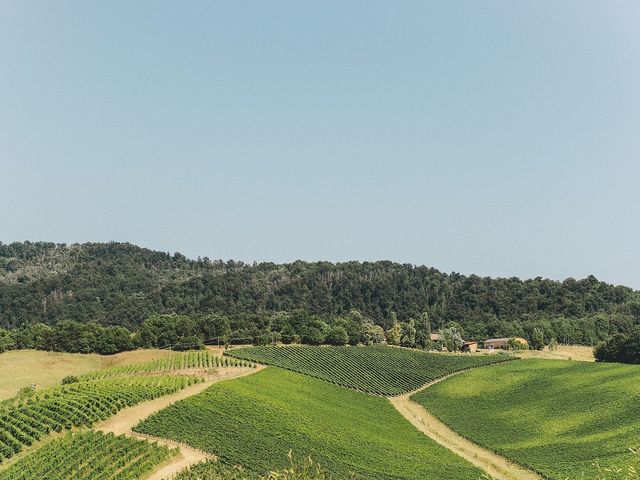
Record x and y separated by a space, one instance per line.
254 421
200 359
21 368
89 456
557 417
377 370
25 421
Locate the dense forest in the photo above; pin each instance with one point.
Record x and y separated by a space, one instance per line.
111 285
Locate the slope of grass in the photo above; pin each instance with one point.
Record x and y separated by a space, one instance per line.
254 421
557 417
21 368
377 370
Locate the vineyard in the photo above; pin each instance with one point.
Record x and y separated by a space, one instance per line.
75 405
89 456
254 421
378 370
200 359
213 470
556 417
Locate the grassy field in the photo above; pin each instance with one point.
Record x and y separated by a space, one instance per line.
563 352
377 370
557 417
254 421
21 368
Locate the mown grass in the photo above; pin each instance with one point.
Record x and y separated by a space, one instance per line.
557 417
256 420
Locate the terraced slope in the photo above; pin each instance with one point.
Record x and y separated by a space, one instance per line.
254 421
377 370
89 456
556 417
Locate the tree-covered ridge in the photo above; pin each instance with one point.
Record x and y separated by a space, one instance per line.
121 284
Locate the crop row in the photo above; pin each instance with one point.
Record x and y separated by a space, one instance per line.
78 404
254 421
177 361
213 470
90 456
377 370
562 419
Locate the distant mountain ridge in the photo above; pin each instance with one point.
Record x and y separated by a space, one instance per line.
122 284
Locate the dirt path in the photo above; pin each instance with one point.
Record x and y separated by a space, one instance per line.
493 464
124 421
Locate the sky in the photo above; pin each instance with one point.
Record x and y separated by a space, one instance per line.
500 138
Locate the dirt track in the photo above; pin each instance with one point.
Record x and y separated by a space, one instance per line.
493 464
124 421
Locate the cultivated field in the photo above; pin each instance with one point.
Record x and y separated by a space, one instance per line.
557 417
196 360
21 368
554 417
254 421
89 456
25 421
377 370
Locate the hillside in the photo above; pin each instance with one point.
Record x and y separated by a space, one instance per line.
121 284
256 420
555 417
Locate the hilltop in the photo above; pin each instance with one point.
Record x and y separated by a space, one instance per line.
122 284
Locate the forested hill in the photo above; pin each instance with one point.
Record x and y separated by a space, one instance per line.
121 284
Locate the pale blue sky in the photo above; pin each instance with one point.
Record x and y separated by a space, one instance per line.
492 137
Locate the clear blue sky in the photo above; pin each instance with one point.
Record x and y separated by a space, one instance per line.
492 137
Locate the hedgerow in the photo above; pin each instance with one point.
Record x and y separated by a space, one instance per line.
89 456
377 370
177 361
75 405
563 419
255 420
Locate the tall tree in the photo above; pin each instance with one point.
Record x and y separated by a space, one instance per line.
394 333
423 331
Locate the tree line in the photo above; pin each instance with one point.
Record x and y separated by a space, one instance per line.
109 285
183 332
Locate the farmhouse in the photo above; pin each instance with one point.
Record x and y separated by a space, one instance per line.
503 343
470 347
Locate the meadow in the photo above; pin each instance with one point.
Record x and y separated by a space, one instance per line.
377 370
256 420
556 417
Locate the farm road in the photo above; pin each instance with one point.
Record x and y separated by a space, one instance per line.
493 464
124 421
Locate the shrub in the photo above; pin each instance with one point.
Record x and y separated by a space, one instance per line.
69 379
623 348
337 336
189 343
